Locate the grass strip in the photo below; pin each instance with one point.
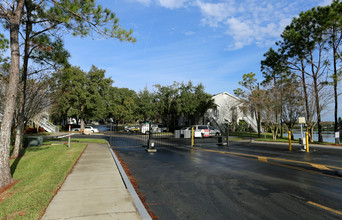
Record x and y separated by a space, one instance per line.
75 140
87 140
40 172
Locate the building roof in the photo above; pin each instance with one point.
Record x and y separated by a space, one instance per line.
227 94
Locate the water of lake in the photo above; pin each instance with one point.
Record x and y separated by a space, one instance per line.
328 136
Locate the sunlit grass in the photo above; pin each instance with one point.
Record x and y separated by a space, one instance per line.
74 140
268 137
39 173
87 140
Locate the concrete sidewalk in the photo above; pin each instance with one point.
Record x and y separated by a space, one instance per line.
93 190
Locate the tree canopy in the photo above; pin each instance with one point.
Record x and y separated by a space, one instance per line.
41 23
82 95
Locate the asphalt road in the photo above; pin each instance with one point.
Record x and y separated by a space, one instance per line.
242 181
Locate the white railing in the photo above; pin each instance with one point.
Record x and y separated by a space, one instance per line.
48 126
214 123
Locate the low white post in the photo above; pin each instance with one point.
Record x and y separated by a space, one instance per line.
69 136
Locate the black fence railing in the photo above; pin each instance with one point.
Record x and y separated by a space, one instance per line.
130 136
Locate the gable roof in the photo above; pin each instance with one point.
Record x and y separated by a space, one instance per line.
226 94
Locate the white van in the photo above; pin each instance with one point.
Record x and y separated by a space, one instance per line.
201 131
145 128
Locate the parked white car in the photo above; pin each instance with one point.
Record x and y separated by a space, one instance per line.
155 128
93 130
201 130
214 132
76 129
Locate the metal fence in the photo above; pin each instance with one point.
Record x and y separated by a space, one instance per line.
122 136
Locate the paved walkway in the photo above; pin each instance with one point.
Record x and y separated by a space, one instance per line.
93 190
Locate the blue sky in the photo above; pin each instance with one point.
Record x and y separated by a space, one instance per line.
213 42
208 41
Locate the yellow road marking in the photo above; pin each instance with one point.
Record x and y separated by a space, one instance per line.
276 159
320 166
263 159
326 208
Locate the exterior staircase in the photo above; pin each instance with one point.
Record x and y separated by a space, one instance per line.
251 122
48 126
247 119
214 123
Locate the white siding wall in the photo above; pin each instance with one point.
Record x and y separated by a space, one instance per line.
225 104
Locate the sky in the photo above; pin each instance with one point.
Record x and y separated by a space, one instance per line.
206 41
213 42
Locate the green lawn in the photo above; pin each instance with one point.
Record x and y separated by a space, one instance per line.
39 173
254 136
74 140
87 140
246 135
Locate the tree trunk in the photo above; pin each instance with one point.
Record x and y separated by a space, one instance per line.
18 145
292 135
274 130
259 124
311 130
281 107
307 108
305 92
335 83
82 123
320 137
18 131
274 135
5 135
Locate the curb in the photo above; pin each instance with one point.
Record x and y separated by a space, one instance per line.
138 204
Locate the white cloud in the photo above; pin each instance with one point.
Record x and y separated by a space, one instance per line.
214 13
189 33
251 21
242 33
171 4
145 2
246 21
